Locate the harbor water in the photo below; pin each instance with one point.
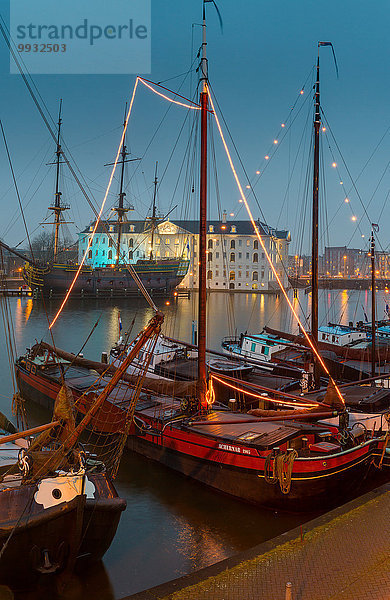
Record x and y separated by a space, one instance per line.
172 525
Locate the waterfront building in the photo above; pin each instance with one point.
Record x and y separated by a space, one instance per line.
235 258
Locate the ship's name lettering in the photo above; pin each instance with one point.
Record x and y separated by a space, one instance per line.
232 448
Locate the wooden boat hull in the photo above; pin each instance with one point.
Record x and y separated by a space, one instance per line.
159 277
43 541
314 486
101 519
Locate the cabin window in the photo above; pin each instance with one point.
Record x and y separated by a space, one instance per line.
232 243
266 350
232 257
256 244
253 347
255 257
210 244
323 336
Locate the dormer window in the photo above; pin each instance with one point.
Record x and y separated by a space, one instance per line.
211 228
91 228
131 228
111 228
233 229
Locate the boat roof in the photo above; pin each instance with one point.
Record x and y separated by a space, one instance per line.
269 338
336 329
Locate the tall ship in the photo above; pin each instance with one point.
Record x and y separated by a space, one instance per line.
112 267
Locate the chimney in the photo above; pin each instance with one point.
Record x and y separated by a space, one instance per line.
224 215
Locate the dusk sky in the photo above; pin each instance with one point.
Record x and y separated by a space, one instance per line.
257 68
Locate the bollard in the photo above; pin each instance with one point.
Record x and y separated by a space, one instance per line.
288 591
104 358
233 404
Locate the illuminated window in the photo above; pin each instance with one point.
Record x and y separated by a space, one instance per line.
211 228
232 276
131 228
233 229
209 274
167 240
232 257
158 241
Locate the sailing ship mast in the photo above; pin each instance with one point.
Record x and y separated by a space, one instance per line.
153 218
58 207
373 300
120 209
314 260
202 385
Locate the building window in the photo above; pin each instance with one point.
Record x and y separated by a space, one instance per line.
255 276
166 253
232 243
239 274
90 254
130 255
131 242
217 255
210 256
240 255
104 241
210 244
158 241
240 242
248 243
255 257
103 252
90 228
167 240
233 229
177 241
109 254
96 252
247 274
209 274
211 228
232 276
262 274
262 255
217 273
110 242
111 228
131 228
256 244
232 257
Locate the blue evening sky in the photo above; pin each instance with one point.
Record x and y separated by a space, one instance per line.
257 67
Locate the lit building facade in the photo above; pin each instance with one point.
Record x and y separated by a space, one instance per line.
235 257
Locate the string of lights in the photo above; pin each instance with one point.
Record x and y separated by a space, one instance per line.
276 274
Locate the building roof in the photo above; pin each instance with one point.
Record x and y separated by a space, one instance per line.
240 227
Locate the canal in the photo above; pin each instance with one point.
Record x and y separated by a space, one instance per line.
172 525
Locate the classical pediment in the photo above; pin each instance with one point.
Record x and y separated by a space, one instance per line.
169 228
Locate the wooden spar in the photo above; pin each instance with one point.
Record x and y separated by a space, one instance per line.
120 210
317 415
16 436
154 218
202 385
26 258
57 198
373 316
153 327
254 386
314 242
